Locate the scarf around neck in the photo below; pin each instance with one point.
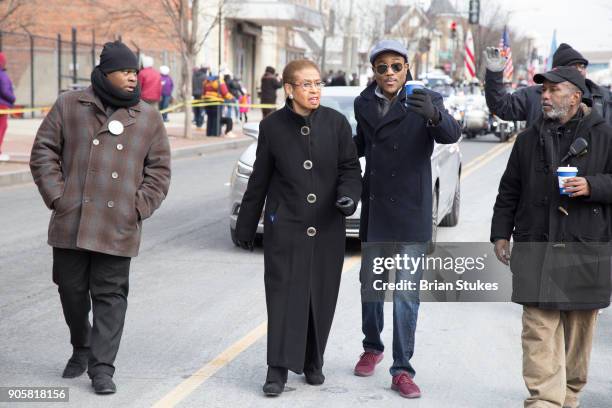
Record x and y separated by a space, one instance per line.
109 94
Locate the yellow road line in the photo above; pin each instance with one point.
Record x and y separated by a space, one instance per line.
184 389
189 385
486 157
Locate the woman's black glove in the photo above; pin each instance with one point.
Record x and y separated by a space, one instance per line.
420 102
247 245
346 205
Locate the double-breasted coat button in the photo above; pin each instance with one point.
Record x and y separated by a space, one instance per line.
392 199
372 197
96 142
311 198
119 146
114 175
110 204
393 174
311 231
305 130
308 165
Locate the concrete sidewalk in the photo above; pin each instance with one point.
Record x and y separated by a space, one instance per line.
21 132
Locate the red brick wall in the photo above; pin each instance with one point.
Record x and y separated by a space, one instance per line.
140 23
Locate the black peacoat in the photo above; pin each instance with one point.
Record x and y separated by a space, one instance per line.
397 192
303 165
561 254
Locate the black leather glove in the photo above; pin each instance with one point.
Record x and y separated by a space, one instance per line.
420 102
346 205
247 245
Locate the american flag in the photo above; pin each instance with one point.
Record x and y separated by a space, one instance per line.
469 61
506 51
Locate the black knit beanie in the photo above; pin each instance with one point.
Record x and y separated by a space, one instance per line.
566 55
117 56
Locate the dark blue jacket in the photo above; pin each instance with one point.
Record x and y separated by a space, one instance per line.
397 192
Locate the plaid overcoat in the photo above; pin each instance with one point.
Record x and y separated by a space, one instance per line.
100 185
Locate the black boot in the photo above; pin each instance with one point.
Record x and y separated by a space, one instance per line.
103 384
314 376
77 364
275 381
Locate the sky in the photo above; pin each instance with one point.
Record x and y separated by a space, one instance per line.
584 24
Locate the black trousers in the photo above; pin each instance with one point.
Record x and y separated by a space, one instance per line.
212 121
90 279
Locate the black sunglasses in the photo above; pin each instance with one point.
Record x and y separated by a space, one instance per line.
381 69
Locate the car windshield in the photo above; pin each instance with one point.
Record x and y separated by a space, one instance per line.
344 105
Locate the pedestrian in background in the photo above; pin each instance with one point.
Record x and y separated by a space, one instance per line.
245 101
339 79
233 85
215 95
167 88
396 134
525 103
270 82
150 82
197 90
101 161
7 99
560 259
304 222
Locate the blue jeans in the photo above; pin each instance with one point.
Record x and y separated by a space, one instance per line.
163 104
405 305
198 113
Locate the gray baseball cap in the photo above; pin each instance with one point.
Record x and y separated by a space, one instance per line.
388 46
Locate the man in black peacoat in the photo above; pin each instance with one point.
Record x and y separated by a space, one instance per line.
396 134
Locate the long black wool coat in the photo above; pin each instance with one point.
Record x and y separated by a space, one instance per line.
303 165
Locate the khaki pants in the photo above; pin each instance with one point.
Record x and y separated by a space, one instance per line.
556 352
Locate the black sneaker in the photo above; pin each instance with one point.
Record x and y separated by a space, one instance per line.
103 384
77 364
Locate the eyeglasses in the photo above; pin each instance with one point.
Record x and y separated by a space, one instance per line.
382 69
307 86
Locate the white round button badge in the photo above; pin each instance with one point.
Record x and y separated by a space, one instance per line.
115 127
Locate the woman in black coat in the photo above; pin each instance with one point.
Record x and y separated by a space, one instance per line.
308 174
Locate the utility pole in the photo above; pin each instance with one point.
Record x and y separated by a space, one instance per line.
220 35
347 60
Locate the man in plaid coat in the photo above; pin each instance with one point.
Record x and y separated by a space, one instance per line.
101 161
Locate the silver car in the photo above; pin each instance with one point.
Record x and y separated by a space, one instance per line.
445 166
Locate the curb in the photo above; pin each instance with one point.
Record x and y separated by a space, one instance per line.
24 176
15 177
199 150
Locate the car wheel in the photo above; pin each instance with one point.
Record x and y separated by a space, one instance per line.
452 218
233 236
431 245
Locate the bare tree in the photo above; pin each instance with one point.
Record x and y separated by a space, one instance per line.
186 23
10 9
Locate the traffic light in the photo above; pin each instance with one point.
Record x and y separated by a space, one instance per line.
474 13
453 29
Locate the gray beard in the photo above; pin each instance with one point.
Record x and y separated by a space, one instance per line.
557 112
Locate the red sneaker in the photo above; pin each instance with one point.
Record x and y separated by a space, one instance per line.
403 384
367 363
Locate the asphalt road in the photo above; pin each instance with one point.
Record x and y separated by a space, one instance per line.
194 332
